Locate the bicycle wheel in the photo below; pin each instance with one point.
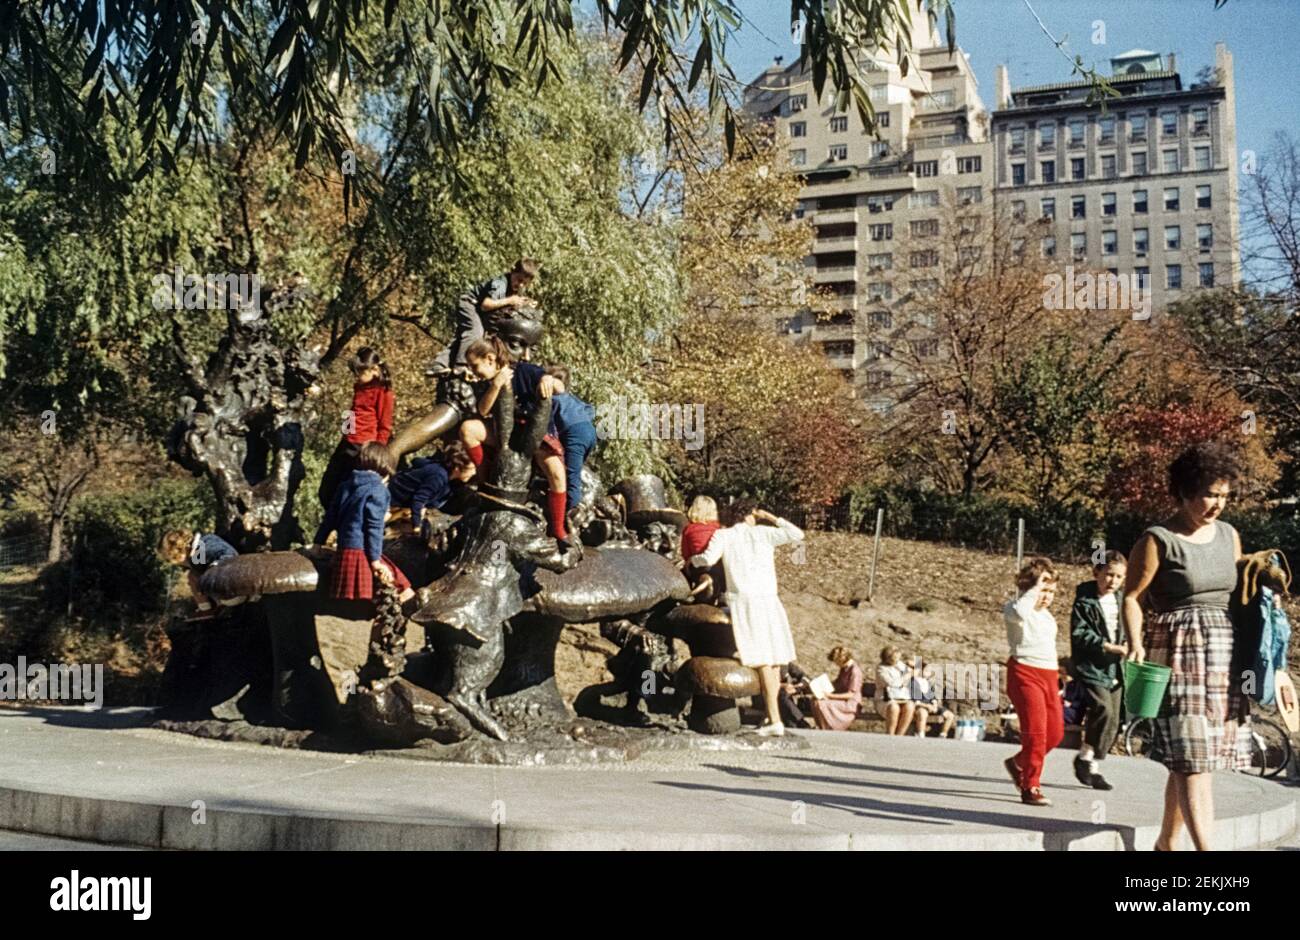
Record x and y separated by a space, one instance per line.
1140 738
1270 749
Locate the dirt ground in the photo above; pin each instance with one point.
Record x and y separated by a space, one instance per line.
940 602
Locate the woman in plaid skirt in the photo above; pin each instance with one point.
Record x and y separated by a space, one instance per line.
1180 577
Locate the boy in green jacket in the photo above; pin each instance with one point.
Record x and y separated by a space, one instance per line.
1097 648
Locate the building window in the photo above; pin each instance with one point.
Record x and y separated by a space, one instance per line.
925 227
926 168
1077 168
1017 140
968 164
879 148
1106 125
838 152
881 232
878 351
1047 170
1205 236
925 285
877 378
1076 132
1174 276
1171 199
925 348
1018 247
880 290
938 100
1200 121
1108 205
924 259
839 124
1201 157
798 103
968 195
1137 128
1168 123
1205 274
1079 246
1078 207
1169 161
1018 210
1139 200
879 94
1139 164
798 129
1108 166
928 197
1046 136
1141 241
1017 174
876 204
882 119
925 319
1048 206
881 320
1173 238
798 157
1203 200
1049 247
1109 242
1144 278
883 262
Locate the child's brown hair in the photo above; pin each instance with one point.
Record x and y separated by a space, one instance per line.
375 456
488 346
1028 575
456 459
366 357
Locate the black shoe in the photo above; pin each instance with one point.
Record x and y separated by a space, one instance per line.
1099 783
1083 771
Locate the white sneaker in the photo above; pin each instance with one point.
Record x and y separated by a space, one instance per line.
772 731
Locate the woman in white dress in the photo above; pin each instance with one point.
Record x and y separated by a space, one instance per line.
762 629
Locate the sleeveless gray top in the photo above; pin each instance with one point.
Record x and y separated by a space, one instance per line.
1192 575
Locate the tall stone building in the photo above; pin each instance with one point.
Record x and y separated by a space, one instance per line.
868 193
1145 188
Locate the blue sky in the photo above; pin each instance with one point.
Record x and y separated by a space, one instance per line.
1263 36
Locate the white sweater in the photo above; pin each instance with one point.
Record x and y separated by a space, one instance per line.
1031 633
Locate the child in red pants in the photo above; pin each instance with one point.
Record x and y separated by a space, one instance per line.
1032 676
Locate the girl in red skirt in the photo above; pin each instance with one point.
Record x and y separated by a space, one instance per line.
1032 676
357 515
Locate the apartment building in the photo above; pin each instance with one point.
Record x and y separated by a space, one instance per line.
866 193
1145 186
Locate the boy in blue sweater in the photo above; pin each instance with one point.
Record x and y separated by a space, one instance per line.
428 484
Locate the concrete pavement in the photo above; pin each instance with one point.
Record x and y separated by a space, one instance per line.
102 776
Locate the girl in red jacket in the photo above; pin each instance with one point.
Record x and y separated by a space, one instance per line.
369 419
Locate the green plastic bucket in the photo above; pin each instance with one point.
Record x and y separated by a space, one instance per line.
1144 688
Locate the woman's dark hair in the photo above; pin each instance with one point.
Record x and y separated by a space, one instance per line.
741 508
1200 466
526 267
375 456
488 346
366 357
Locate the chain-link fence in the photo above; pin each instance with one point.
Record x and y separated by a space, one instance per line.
20 558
